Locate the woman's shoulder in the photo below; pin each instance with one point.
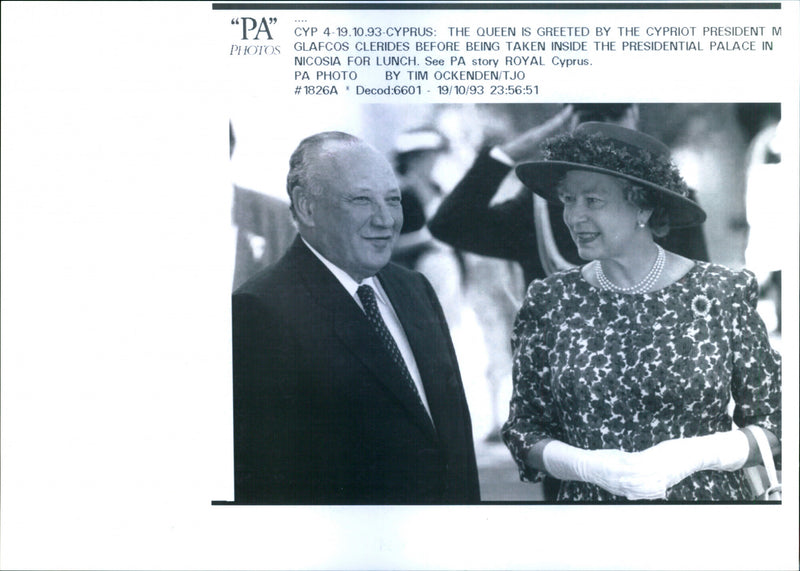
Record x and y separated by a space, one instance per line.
724 281
546 301
711 271
557 284
553 292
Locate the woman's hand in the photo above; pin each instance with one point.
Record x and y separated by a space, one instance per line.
625 474
618 472
676 459
647 475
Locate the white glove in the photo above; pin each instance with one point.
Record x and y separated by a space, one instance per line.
615 471
674 460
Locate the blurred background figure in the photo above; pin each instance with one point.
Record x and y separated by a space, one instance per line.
473 289
414 157
761 127
623 114
264 228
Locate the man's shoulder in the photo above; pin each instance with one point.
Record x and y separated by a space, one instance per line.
396 272
260 282
274 278
406 287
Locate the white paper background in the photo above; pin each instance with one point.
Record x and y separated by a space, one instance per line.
117 255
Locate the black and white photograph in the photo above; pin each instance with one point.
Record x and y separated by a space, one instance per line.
407 285
657 368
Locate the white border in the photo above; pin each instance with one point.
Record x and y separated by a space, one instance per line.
116 241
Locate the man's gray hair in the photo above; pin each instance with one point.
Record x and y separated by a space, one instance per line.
304 157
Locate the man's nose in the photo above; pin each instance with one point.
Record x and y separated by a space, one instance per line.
382 215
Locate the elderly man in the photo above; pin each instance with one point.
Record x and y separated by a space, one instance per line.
346 385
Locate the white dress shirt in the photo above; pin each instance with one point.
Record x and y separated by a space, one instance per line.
387 313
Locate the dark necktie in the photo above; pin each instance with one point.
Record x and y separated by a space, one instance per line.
367 297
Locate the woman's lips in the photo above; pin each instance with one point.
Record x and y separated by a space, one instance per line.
585 237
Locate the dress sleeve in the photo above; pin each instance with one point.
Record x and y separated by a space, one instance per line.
532 413
467 220
756 383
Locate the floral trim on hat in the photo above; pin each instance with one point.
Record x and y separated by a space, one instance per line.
599 151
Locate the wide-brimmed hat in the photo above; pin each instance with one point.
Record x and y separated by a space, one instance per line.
616 151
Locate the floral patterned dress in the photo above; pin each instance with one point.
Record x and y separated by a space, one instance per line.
598 369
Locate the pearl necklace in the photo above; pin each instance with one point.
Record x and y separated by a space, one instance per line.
645 285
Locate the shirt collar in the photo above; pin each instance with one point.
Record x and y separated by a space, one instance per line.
344 278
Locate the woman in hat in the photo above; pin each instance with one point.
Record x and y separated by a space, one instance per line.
625 366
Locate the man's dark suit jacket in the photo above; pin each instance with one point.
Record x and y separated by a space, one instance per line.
321 415
466 220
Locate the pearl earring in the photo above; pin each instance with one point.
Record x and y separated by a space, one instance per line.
640 224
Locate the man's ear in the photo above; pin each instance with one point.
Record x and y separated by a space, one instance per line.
304 206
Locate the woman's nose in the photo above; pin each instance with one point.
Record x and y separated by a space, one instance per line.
574 213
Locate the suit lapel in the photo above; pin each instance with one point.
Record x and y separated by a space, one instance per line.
356 333
417 324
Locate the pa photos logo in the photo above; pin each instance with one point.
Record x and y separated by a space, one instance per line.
258 31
